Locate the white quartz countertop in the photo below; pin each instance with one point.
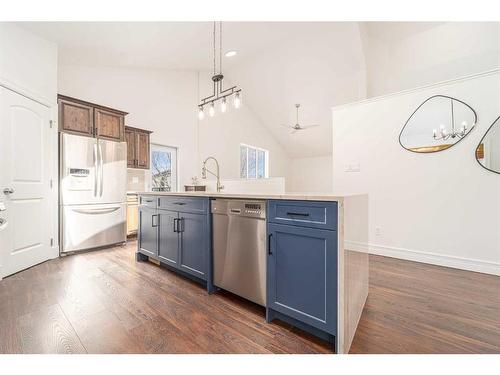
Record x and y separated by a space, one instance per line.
291 196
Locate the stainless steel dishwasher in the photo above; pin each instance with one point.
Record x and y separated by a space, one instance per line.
239 246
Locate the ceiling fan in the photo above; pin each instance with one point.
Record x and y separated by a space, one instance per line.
295 128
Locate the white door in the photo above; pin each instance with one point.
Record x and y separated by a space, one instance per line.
27 152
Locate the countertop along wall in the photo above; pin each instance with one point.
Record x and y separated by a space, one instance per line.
440 208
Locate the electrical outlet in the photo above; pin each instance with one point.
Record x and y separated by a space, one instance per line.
378 231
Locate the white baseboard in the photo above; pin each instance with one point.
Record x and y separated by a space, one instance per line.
467 264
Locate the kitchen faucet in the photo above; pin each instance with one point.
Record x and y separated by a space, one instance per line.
204 171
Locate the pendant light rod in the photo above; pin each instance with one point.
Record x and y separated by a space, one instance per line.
219 93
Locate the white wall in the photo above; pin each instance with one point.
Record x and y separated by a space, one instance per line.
441 208
402 55
158 100
310 175
220 136
28 62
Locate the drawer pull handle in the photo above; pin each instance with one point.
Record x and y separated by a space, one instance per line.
179 203
297 214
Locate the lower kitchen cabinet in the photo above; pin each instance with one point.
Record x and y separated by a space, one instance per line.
193 252
168 247
178 239
302 277
148 232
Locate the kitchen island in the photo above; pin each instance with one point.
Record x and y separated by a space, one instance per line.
317 264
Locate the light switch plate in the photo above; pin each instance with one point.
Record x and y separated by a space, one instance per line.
135 180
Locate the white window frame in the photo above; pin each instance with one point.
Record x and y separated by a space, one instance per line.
175 181
266 161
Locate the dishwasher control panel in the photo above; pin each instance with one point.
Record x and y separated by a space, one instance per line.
236 207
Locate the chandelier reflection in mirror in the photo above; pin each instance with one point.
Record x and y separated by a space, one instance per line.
219 93
444 134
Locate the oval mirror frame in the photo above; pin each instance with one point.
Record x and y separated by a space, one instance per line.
420 106
477 150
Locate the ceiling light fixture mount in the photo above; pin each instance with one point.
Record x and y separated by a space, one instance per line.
219 93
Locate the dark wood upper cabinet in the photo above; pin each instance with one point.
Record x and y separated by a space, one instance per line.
109 125
76 117
137 147
130 139
90 119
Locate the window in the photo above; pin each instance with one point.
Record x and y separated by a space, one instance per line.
163 168
253 162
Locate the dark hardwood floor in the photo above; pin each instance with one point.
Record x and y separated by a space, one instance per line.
106 302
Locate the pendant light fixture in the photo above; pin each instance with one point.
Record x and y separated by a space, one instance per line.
219 93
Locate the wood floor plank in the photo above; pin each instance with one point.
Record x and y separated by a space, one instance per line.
48 331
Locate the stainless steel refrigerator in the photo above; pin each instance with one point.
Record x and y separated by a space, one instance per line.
92 192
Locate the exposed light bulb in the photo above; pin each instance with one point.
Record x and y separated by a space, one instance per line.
211 110
237 100
223 105
201 114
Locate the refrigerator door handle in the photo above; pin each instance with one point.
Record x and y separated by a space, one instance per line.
95 211
101 170
95 169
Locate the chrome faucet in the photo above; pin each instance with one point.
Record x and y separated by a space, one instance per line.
204 171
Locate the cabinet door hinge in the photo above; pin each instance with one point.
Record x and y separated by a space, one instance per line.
51 242
51 183
52 123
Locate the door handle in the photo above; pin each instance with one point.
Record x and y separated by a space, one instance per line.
8 191
3 224
180 225
101 169
95 170
96 210
269 244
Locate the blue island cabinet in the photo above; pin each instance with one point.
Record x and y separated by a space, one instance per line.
302 265
176 231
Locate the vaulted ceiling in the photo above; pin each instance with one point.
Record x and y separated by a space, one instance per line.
279 64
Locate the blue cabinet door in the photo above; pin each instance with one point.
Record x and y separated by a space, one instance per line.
302 274
148 231
168 250
193 254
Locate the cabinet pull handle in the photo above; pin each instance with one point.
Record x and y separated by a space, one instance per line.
181 229
179 203
269 244
175 225
153 224
297 214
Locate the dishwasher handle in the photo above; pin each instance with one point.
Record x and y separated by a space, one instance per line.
269 237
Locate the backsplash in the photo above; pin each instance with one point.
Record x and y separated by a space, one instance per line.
137 179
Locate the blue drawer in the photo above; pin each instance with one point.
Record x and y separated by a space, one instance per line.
193 205
150 201
311 214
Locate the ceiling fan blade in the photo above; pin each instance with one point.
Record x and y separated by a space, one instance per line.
286 126
310 126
